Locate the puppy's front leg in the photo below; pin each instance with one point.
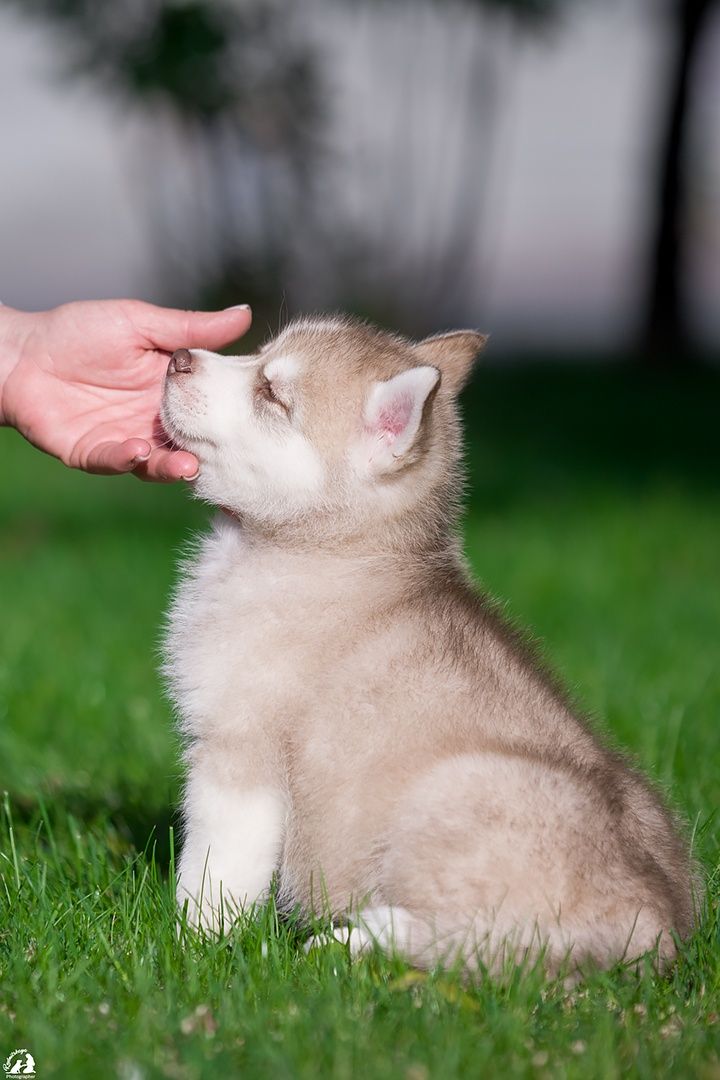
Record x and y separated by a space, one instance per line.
234 827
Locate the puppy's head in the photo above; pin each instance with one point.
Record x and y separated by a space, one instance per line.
334 424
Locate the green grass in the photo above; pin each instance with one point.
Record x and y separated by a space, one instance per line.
595 512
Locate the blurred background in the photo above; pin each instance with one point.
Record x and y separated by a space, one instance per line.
548 170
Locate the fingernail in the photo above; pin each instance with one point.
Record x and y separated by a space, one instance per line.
238 307
193 477
140 458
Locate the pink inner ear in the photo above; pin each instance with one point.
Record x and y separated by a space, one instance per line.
392 418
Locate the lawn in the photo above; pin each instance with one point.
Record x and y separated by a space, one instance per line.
595 513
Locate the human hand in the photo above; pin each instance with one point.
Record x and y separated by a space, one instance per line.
84 381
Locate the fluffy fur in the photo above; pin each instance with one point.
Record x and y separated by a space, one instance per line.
358 718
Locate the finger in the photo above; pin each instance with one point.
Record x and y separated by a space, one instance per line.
109 458
168 466
169 329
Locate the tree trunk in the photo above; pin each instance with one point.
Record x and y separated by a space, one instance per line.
666 333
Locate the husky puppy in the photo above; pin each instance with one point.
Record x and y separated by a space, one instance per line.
359 720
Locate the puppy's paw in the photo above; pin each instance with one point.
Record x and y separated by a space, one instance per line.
354 938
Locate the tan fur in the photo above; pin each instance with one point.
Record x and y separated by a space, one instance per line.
361 720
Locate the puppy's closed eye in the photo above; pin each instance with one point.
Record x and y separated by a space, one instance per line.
266 392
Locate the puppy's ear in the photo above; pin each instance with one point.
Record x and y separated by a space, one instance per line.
454 354
393 417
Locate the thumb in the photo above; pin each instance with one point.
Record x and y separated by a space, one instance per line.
169 329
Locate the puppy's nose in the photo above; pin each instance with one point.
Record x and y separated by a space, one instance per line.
180 362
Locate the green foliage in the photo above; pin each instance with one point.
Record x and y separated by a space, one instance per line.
172 52
184 59
595 511
201 60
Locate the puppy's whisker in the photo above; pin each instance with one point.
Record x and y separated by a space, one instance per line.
283 306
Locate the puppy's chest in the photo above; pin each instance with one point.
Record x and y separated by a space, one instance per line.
241 644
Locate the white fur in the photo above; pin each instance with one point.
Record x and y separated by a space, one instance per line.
228 668
283 368
227 660
255 460
231 848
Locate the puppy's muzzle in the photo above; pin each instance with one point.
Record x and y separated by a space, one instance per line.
181 362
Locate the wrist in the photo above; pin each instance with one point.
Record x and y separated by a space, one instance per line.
13 335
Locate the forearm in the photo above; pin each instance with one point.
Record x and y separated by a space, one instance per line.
14 331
